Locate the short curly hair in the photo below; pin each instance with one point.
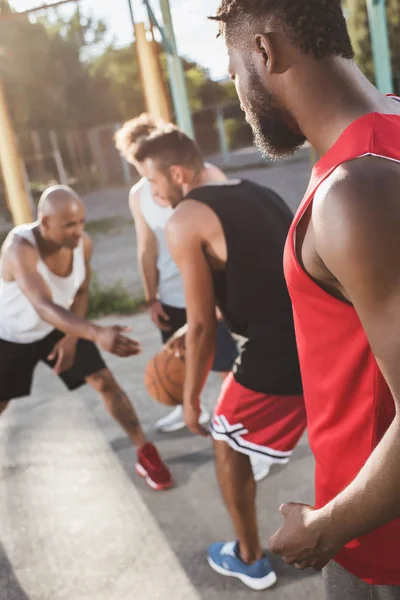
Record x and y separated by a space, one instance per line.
317 27
127 138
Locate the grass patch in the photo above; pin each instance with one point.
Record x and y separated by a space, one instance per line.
106 225
111 300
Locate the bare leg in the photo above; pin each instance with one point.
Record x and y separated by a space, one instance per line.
3 406
223 375
236 481
118 405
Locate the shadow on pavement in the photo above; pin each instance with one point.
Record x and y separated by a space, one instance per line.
192 515
10 589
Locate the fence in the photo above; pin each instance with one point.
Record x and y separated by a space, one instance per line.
87 159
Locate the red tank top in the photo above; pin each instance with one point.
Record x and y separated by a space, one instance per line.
349 405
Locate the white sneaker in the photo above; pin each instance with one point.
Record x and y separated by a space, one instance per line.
174 420
260 466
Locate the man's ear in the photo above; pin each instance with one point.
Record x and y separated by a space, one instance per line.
176 174
266 51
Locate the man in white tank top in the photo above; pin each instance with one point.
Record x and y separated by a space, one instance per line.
44 294
161 278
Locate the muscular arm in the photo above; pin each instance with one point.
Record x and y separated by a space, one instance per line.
146 248
22 259
186 241
355 222
357 236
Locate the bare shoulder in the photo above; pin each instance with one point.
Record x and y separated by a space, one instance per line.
192 219
215 173
16 245
17 254
362 196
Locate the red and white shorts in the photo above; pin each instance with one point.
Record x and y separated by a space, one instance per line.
258 424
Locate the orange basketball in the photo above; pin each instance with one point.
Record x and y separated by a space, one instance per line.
165 373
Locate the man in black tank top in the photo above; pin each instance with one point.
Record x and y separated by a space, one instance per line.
228 241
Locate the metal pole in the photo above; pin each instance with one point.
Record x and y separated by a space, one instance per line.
11 164
154 91
14 15
380 45
177 74
62 175
156 53
131 13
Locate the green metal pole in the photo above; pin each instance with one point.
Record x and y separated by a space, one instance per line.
176 74
131 13
380 45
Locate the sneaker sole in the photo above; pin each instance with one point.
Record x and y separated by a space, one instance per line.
258 585
261 475
181 425
205 419
171 428
154 486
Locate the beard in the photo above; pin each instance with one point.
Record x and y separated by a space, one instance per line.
275 132
175 194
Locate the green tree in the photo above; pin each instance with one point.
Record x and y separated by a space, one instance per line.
119 68
61 73
47 82
360 35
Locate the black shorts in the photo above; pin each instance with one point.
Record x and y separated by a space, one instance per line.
18 362
177 319
226 349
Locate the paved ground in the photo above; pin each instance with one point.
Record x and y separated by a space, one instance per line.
77 524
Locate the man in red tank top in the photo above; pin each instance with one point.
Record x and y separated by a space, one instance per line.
292 63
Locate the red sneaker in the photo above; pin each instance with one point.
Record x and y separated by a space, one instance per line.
150 466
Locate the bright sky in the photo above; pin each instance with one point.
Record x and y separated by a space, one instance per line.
196 38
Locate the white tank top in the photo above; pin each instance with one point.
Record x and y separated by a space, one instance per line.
19 321
170 281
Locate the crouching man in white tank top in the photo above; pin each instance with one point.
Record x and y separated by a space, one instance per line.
44 293
161 278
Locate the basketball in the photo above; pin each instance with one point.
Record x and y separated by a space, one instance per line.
165 373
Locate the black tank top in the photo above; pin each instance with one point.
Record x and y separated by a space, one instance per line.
251 291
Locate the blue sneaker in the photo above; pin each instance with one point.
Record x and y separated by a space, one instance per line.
225 560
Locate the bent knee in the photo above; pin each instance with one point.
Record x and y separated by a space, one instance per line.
223 450
228 457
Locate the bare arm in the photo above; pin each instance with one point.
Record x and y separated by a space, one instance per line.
147 249
186 246
356 233
22 259
361 218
